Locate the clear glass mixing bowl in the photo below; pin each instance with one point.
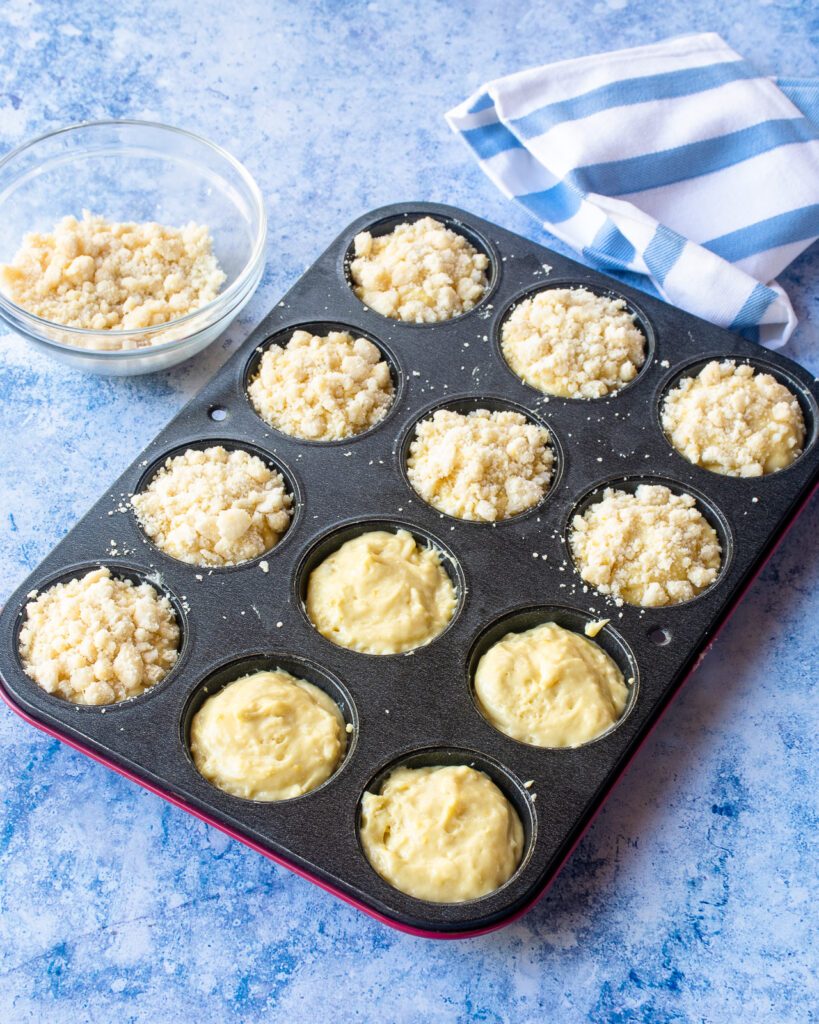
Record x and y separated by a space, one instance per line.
134 171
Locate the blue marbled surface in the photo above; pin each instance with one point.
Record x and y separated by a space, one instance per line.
694 896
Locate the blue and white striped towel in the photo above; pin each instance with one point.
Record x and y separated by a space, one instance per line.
675 165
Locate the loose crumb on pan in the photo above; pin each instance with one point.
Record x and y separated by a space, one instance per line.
573 343
102 275
98 639
322 388
215 507
480 465
733 420
421 272
650 548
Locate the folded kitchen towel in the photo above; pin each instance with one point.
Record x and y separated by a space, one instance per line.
676 165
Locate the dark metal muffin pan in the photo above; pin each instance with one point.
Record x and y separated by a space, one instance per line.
419 708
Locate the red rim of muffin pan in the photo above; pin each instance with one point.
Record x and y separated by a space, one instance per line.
418 708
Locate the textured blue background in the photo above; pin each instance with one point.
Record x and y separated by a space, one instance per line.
694 896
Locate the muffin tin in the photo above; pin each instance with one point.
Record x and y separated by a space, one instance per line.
418 708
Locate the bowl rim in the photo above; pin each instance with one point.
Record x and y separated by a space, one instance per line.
223 299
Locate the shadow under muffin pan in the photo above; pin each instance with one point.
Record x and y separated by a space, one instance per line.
419 704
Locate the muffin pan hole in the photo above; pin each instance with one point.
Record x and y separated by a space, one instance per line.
323 328
300 668
332 541
521 619
641 320
385 225
230 444
217 413
512 788
705 505
797 387
660 635
119 570
464 405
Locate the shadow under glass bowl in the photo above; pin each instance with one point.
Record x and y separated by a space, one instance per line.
134 171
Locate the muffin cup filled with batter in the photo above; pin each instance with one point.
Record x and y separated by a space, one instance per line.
270 728
445 826
552 676
322 382
735 418
379 587
100 634
481 460
575 341
216 503
648 542
420 269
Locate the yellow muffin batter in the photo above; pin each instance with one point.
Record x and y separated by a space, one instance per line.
381 593
550 687
268 736
444 834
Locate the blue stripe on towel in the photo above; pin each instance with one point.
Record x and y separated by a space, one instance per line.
652 170
784 228
662 252
753 307
483 102
803 93
644 89
638 281
491 139
554 204
610 249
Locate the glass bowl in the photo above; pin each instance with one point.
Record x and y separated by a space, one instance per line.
133 171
